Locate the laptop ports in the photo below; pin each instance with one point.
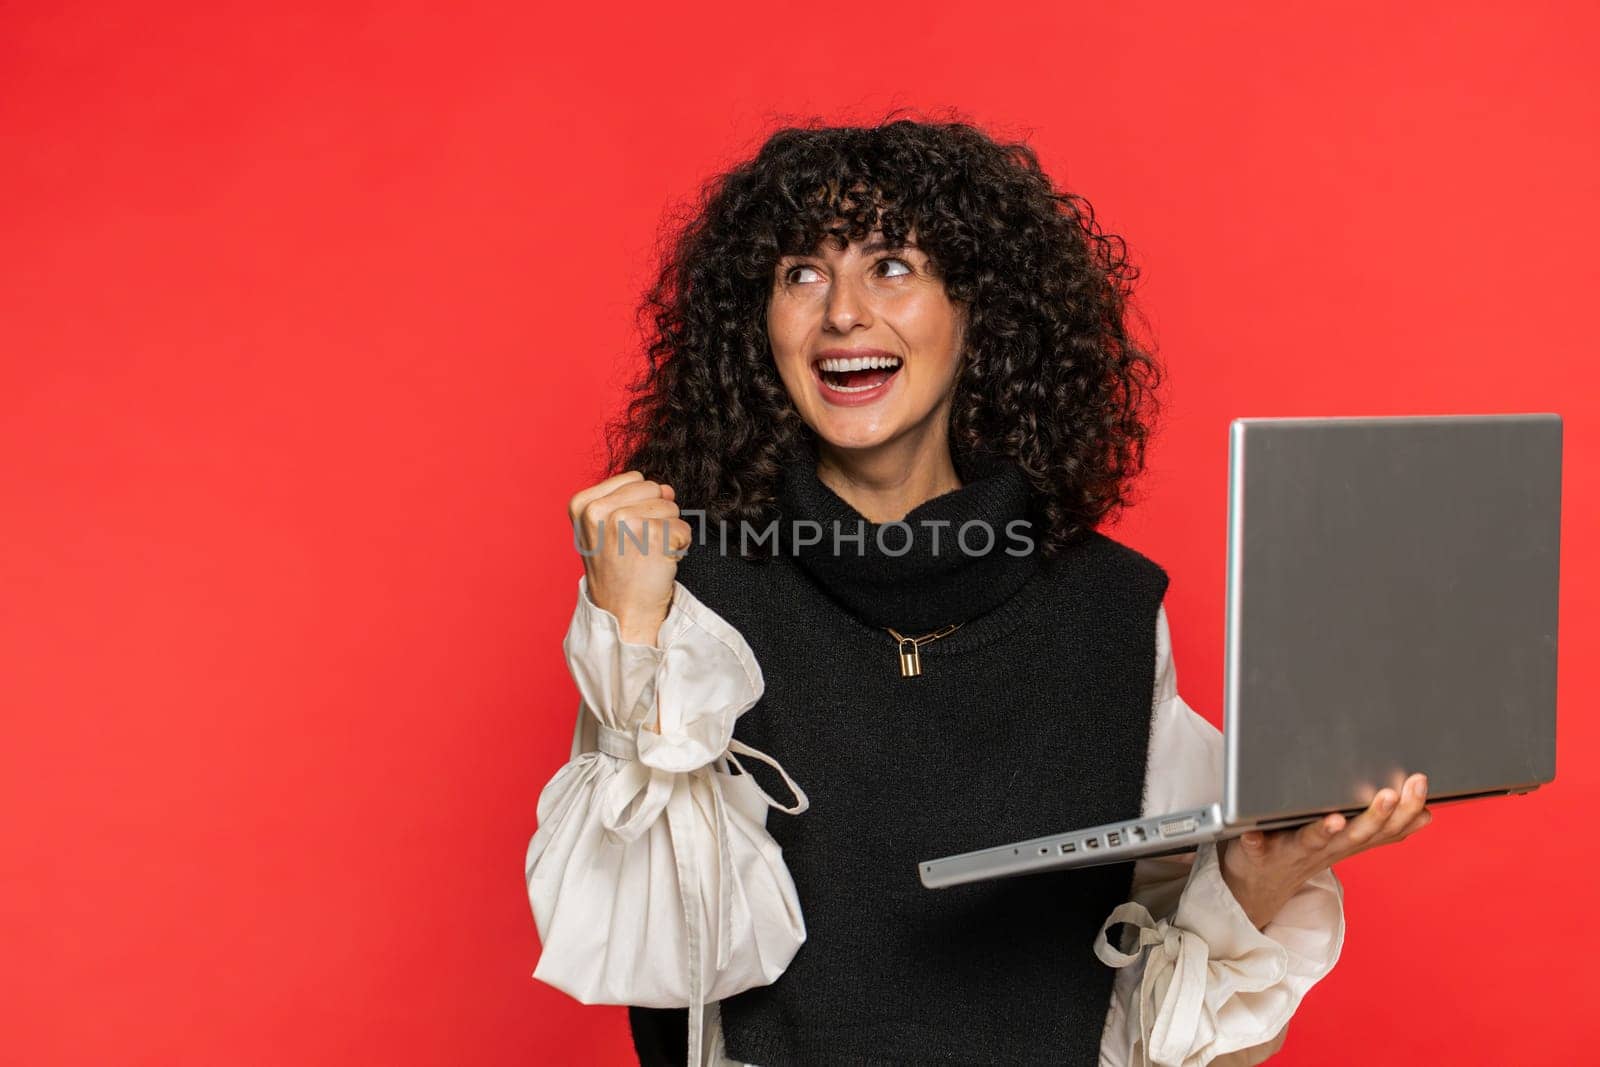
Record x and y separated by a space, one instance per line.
1174 827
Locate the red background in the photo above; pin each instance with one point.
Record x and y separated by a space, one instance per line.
308 320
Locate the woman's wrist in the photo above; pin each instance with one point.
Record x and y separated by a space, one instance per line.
637 631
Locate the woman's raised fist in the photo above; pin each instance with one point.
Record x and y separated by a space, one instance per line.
630 536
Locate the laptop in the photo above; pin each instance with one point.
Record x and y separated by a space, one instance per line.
1391 608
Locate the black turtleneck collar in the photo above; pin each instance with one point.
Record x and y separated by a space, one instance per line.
919 589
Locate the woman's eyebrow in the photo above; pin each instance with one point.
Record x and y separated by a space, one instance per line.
877 244
880 244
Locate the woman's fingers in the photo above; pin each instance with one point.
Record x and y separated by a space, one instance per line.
583 497
1366 826
1413 795
628 508
1391 814
1316 836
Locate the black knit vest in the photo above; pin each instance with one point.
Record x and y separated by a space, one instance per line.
1032 717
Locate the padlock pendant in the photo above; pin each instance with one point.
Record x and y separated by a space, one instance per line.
910 658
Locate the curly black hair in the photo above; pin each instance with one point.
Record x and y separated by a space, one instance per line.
1052 375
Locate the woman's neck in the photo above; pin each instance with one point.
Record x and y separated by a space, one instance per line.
954 556
886 482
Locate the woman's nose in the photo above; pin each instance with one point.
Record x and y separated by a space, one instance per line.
847 306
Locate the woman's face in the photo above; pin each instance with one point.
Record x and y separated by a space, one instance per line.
866 341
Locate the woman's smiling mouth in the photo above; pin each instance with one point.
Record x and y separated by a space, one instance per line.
849 377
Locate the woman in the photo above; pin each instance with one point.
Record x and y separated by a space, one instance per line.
891 377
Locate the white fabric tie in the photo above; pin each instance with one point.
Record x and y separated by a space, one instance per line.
1172 991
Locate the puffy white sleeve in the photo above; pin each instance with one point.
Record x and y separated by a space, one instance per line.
1204 986
651 875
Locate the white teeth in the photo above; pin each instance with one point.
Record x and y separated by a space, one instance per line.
859 363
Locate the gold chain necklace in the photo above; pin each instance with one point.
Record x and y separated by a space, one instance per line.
910 658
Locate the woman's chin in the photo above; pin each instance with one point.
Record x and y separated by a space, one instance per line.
858 432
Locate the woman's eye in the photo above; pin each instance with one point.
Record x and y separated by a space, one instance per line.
792 275
905 268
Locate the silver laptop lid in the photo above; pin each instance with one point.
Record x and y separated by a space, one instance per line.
1392 590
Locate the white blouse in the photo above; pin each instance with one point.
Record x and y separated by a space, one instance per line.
1202 985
